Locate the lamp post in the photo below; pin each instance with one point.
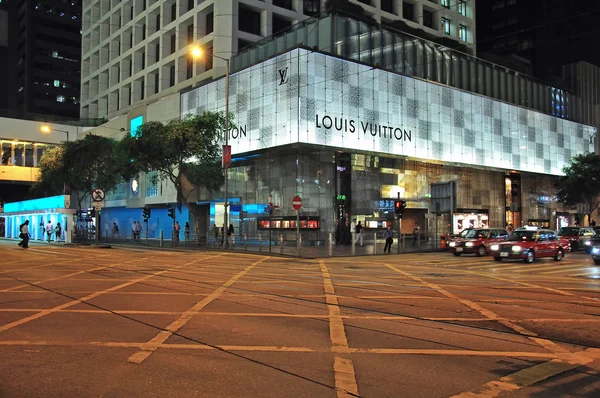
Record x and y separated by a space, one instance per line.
47 129
197 53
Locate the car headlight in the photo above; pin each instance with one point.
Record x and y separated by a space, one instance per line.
517 249
469 244
588 243
495 247
452 244
596 250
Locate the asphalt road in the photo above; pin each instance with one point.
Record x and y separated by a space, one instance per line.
88 322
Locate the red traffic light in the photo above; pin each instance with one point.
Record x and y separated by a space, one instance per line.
399 205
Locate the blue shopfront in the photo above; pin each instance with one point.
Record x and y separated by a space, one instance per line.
40 212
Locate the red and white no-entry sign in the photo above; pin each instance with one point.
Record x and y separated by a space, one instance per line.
297 203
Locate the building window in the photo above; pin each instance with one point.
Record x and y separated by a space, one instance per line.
311 7
173 43
143 60
209 23
387 6
144 32
462 8
208 60
445 3
280 24
249 20
283 4
190 68
427 18
173 11
190 33
408 11
172 76
190 4
462 32
446 26
60 98
156 83
157 22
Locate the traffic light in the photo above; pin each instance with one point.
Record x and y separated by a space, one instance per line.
399 206
146 212
172 213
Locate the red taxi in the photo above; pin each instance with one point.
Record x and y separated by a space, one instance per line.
477 241
527 244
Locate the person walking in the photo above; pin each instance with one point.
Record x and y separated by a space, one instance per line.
133 230
358 233
24 235
231 235
115 231
388 235
222 236
416 231
57 232
138 231
215 232
186 231
177 228
49 230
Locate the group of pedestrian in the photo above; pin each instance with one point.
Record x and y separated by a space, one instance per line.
220 234
136 230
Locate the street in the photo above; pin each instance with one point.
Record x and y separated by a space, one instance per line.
90 322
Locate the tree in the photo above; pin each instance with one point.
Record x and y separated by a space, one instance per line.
581 182
78 167
186 152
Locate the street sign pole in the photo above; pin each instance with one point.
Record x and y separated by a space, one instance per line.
399 229
297 205
98 199
97 212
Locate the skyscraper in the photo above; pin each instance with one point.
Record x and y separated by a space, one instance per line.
43 50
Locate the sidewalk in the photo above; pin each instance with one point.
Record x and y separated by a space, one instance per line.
287 249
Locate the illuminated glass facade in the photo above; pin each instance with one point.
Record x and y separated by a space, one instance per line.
349 138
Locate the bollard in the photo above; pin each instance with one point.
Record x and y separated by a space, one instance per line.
299 245
330 245
352 243
374 243
161 238
259 243
403 242
280 243
245 242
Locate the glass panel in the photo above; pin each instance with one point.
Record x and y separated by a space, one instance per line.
429 62
365 43
340 37
29 155
19 154
352 39
388 50
400 56
377 47
419 60
409 55
6 153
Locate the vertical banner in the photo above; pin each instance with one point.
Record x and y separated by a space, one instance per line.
226 161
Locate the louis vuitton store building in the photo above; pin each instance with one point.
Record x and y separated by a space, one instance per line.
349 139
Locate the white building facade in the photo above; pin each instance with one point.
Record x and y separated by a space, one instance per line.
135 51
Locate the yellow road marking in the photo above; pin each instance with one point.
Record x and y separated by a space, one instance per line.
162 336
563 270
530 376
88 297
547 344
343 368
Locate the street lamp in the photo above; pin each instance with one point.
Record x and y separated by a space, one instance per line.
47 129
196 53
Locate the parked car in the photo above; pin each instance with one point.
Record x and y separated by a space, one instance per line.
527 244
578 237
477 241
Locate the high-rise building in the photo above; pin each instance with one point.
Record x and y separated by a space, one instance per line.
44 54
541 33
139 50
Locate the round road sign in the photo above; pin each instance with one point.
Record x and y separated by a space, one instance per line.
297 203
98 195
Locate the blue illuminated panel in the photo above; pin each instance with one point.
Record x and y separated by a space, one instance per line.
53 202
134 125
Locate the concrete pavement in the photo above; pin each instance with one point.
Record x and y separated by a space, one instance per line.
77 321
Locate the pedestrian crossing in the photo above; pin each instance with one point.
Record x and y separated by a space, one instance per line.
573 265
